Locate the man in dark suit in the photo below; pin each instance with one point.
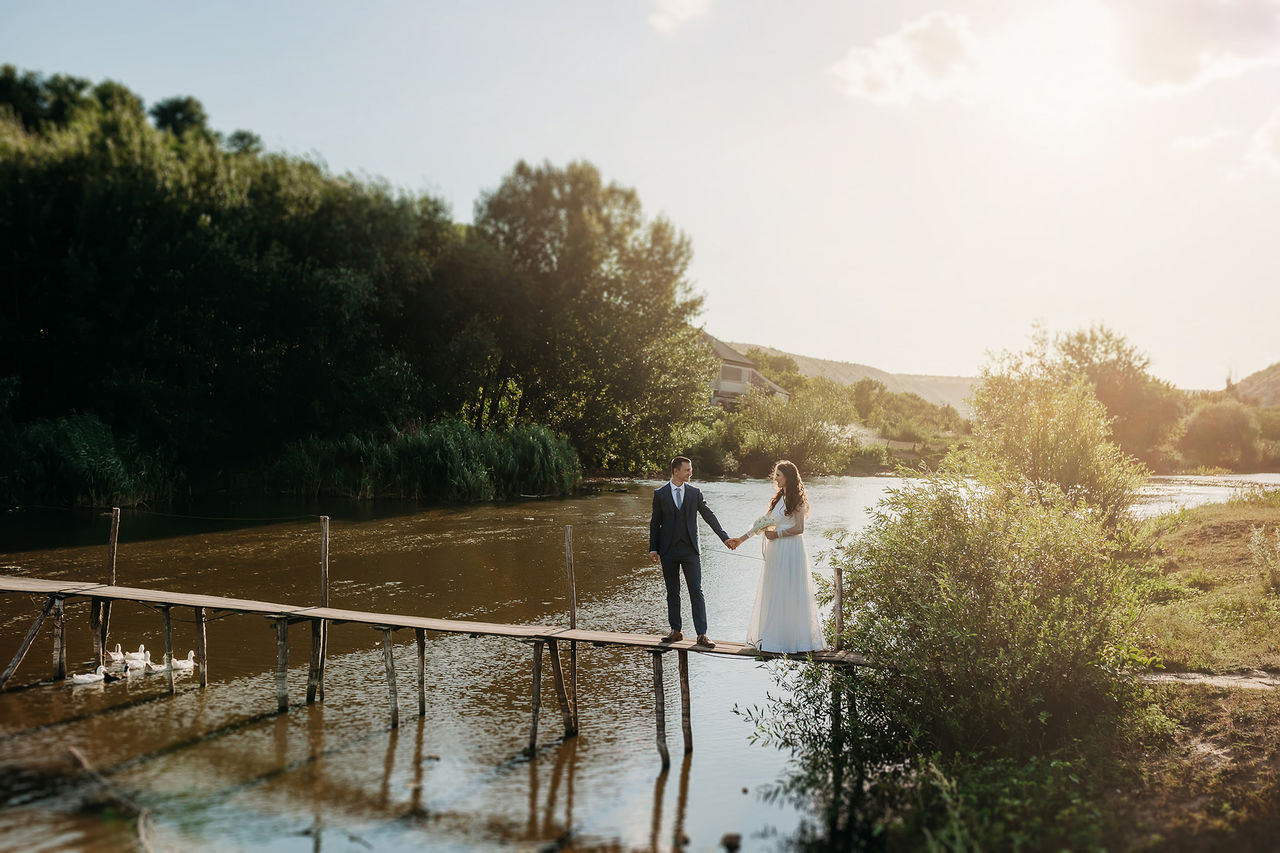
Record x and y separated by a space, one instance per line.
673 540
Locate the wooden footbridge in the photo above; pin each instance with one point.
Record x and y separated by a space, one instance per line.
101 595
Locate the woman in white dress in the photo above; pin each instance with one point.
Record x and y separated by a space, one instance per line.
785 617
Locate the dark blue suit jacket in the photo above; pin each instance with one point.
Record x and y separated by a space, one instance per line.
666 520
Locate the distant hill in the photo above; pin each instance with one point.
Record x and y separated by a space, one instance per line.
940 390
1263 386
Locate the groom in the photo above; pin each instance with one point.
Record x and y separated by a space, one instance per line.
673 539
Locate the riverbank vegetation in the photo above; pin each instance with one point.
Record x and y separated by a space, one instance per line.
1008 597
185 311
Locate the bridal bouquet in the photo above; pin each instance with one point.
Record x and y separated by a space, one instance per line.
764 522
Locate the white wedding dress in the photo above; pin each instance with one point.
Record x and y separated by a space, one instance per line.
785 618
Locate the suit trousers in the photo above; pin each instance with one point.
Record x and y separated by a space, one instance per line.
684 558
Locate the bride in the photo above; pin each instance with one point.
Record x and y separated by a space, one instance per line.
785 617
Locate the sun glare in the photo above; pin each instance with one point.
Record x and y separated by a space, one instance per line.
1055 72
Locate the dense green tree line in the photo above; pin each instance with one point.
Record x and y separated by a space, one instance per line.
190 307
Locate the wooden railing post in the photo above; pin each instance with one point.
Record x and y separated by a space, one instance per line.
573 624
324 601
839 607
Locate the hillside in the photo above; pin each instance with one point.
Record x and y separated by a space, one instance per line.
941 390
1263 387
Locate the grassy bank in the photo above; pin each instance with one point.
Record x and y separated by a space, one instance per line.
1210 606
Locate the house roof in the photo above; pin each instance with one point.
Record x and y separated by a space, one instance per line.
724 352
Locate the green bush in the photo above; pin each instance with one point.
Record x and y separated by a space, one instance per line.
998 611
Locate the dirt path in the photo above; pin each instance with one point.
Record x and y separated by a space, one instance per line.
1254 679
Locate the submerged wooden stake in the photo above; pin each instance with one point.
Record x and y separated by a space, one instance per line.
659 710
168 645
95 631
202 650
313 670
59 639
391 676
26 642
282 664
686 715
421 636
565 712
537 696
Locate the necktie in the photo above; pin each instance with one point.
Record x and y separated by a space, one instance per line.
679 496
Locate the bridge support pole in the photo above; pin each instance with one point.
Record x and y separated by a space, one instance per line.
389 660
26 643
202 649
566 711
282 664
421 636
659 698
686 714
537 697
59 639
313 671
168 646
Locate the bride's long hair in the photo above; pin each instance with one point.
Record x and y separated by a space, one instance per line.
793 490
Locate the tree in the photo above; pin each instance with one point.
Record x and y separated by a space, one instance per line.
1144 410
1221 434
596 339
180 115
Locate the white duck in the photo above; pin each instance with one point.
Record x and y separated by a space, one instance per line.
154 667
117 656
188 664
140 654
88 677
138 662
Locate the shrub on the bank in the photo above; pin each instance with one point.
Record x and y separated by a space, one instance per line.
444 461
77 459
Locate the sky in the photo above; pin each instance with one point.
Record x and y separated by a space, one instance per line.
911 185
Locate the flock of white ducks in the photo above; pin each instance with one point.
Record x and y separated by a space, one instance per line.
131 662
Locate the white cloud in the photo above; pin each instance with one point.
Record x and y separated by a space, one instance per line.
1264 148
670 14
926 58
1204 141
1173 47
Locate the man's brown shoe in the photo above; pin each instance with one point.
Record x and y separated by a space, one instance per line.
703 640
674 636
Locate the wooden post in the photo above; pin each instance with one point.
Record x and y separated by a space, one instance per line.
282 664
537 696
105 623
839 607
686 717
391 676
569 729
659 710
202 650
573 624
59 639
26 643
324 600
313 671
421 636
168 645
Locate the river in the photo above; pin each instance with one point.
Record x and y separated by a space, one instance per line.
216 769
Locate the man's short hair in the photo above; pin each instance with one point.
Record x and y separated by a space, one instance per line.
678 461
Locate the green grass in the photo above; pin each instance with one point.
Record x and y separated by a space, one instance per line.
1210 606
